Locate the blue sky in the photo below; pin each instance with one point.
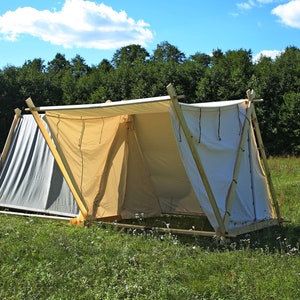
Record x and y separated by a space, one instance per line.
95 29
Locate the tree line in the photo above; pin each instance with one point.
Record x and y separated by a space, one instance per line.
135 73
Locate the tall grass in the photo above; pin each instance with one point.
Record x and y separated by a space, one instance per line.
286 180
44 259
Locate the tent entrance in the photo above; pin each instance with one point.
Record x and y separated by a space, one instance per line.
125 165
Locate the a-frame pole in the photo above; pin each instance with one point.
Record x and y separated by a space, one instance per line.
188 136
58 159
265 164
237 164
10 136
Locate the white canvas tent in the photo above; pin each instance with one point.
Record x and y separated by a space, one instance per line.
152 156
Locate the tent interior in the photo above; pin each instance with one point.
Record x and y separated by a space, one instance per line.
149 156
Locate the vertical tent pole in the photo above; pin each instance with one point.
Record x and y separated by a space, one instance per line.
187 134
237 164
10 136
58 159
265 164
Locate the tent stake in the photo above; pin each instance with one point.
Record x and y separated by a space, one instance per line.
58 160
186 131
10 136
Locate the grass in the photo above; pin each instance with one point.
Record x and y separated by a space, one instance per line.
46 259
286 180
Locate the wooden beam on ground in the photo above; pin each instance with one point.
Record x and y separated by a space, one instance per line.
161 229
24 214
10 137
265 164
51 145
188 136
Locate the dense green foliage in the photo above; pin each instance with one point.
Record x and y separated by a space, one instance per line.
134 73
46 259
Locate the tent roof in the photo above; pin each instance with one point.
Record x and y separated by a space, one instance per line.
136 106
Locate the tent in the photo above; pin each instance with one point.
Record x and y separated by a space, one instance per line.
150 156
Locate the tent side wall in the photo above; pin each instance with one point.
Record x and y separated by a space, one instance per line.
30 179
216 135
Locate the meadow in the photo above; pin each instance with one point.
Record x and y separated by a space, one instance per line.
48 259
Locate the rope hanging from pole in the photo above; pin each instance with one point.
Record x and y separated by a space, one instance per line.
200 129
219 125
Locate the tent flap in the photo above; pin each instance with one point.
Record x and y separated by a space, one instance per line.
216 135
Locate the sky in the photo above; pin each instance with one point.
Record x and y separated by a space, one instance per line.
95 29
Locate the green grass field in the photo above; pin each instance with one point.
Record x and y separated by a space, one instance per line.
47 259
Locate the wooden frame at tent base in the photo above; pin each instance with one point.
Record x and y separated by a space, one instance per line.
116 220
161 229
232 233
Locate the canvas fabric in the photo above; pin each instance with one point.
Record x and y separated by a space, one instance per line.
217 132
130 158
30 179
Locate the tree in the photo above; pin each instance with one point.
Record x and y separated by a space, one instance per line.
165 52
68 85
227 77
289 124
267 87
32 80
129 55
239 64
78 66
55 72
190 73
214 85
287 66
10 98
58 64
102 82
104 67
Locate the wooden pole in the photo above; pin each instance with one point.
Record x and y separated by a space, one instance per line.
51 145
265 164
162 229
188 136
237 164
7 212
10 137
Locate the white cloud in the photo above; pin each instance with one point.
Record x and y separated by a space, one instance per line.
79 24
247 5
267 53
266 1
289 13
244 6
